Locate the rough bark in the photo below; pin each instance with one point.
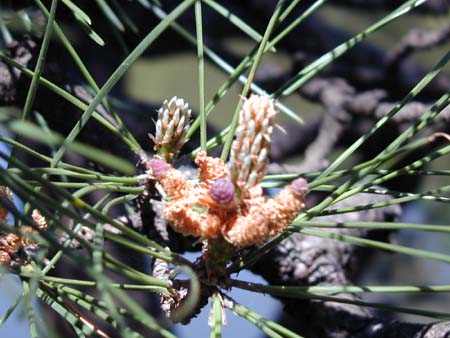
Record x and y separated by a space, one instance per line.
306 261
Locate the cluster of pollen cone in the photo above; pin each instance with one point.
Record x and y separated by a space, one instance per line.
11 243
228 201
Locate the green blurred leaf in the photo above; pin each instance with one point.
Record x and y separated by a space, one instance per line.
30 130
79 14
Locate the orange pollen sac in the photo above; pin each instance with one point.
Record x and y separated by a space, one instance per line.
184 219
172 180
210 168
266 217
212 210
247 229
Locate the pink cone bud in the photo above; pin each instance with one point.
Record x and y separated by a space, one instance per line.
222 191
159 167
300 186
